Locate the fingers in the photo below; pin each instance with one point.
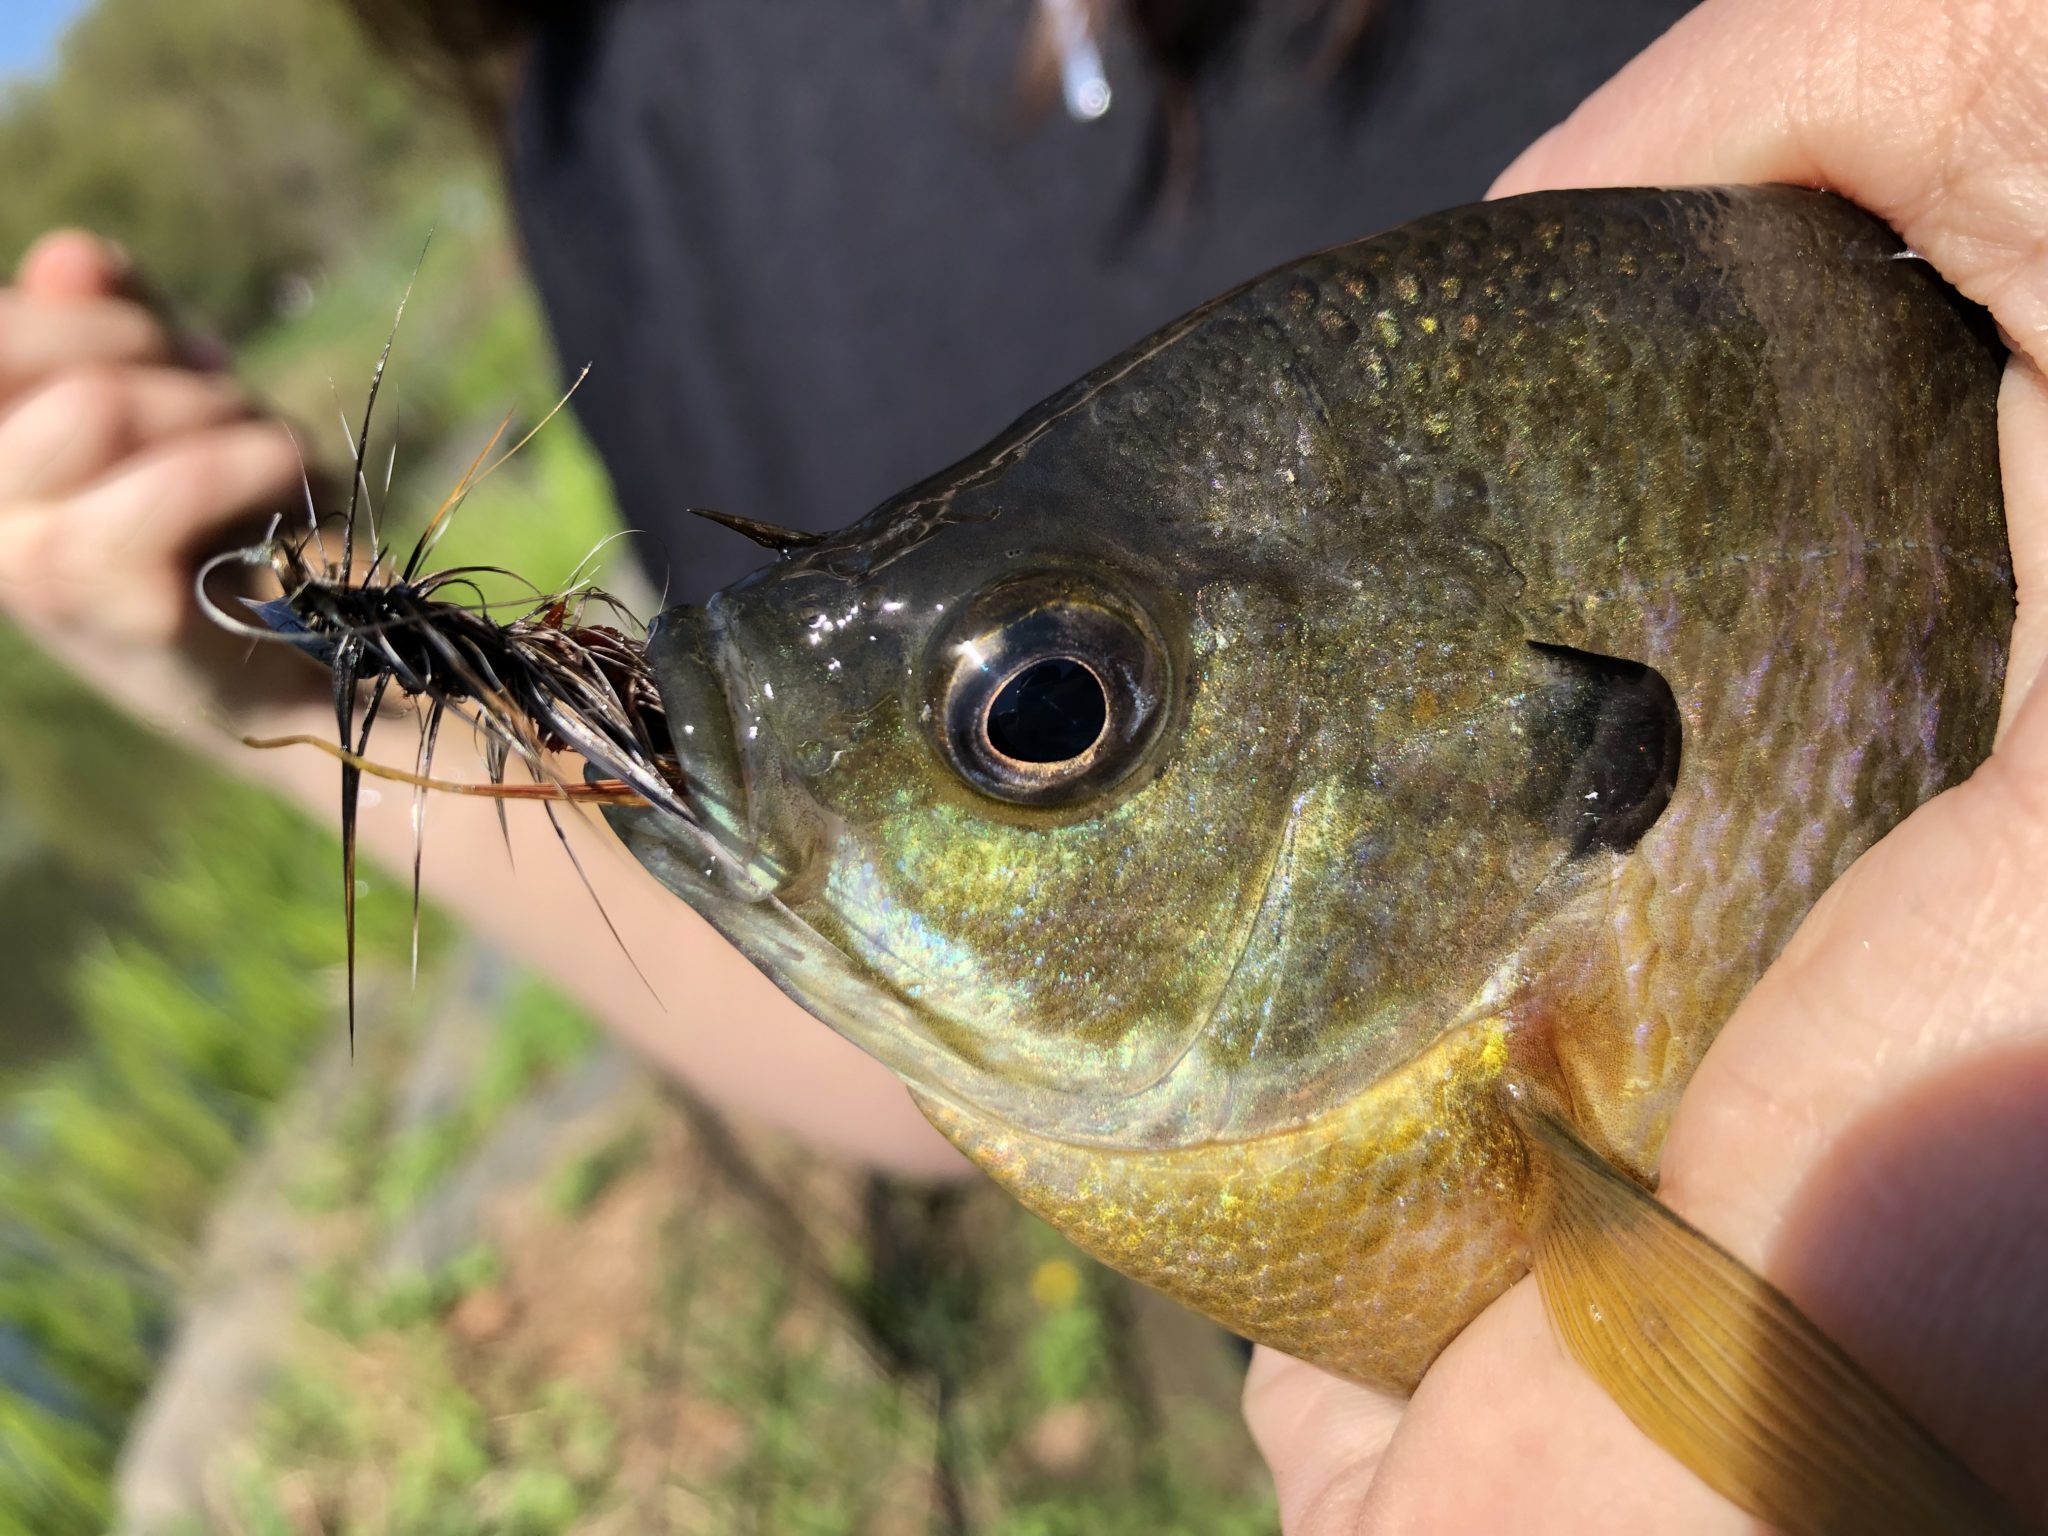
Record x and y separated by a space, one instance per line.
125 451
71 264
1867 1100
75 427
114 556
1912 992
1507 1433
2023 451
1322 1439
1856 1129
1931 113
39 339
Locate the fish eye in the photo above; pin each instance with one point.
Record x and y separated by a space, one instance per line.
1043 696
1051 712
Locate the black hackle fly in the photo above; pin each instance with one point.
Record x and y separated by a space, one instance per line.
547 681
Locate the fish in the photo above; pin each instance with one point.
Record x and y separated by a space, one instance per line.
1297 806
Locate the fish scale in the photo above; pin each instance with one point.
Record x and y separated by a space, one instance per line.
1289 1238
1538 606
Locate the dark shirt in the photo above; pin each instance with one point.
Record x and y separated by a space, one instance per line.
816 250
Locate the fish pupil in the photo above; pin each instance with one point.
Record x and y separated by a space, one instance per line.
1052 711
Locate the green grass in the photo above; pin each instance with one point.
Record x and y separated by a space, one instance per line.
195 1019
535 1035
581 1183
641 1345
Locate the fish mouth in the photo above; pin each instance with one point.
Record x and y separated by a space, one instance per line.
692 666
742 849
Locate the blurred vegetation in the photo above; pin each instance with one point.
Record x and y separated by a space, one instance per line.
196 1014
237 148
676 1327
171 941
172 945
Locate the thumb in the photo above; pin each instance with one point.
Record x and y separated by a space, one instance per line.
73 264
1926 112
2023 448
1322 1439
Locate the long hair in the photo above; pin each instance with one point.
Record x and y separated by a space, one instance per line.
468 49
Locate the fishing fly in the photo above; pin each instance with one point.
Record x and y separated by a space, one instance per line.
568 672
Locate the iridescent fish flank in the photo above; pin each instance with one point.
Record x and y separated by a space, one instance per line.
1297 807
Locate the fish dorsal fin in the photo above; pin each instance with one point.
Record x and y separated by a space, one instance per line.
767 535
1717 1365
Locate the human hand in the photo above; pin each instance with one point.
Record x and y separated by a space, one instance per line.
123 458
1869 1128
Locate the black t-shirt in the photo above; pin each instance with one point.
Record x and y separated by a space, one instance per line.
816 250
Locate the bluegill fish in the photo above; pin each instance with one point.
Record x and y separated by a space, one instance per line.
1297 807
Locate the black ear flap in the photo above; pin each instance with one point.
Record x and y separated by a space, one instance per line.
1609 758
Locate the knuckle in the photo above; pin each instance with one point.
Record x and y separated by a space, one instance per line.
93 400
228 470
143 338
194 476
24 552
154 614
41 429
278 451
38 571
274 461
72 428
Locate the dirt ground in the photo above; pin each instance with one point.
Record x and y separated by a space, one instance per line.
492 1278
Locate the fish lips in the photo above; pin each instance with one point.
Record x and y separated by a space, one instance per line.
720 757
741 853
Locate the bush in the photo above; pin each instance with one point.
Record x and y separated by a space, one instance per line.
233 146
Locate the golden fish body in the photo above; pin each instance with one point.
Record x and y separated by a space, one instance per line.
1390 716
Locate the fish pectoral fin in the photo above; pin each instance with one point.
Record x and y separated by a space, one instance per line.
1717 1365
